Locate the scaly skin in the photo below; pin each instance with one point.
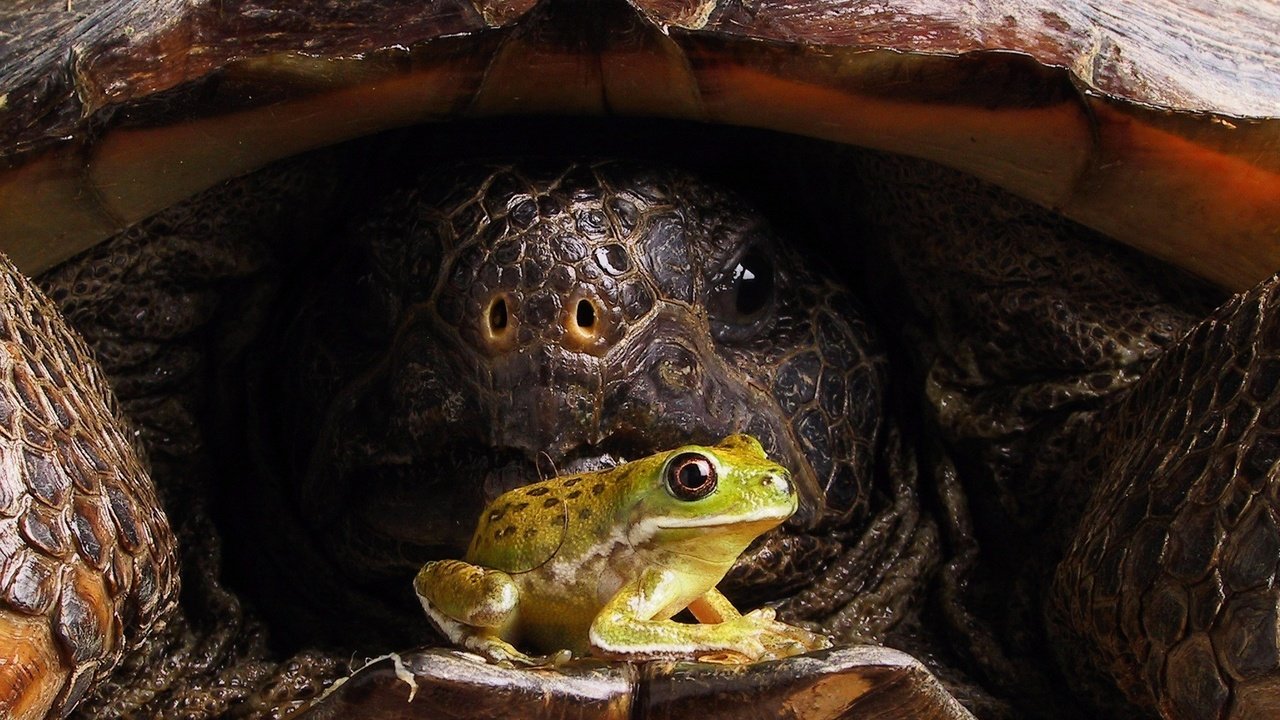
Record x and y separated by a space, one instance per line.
1025 344
208 658
1118 431
489 325
87 558
1170 586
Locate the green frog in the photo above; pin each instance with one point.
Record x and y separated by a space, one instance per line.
598 563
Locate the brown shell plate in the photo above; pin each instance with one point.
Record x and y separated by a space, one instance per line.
1155 123
854 682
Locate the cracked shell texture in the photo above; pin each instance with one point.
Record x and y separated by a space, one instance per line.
1174 570
84 545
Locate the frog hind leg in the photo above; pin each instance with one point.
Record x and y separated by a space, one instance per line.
473 606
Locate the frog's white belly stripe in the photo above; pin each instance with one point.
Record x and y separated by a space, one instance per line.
566 571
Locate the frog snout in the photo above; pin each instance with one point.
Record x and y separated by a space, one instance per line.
780 482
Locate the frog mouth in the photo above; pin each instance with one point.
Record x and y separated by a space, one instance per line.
720 521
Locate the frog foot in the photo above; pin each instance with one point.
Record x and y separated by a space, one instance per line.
778 639
497 651
500 652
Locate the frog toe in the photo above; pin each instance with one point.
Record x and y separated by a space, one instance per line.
753 649
499 652
559 658
790 644
783 640
763 615
810 641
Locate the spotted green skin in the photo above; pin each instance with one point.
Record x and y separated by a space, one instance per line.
598 563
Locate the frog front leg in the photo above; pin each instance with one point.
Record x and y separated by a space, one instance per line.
634 625
472 606
779 639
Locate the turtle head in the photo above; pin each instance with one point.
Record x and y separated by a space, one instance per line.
607 310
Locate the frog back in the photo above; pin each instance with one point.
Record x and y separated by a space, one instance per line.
525 528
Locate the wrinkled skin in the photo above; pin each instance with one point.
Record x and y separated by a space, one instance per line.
512 324
1017 332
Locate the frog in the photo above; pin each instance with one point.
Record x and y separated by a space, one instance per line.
598 563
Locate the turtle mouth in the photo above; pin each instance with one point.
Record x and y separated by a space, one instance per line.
520 472
518 469
394 517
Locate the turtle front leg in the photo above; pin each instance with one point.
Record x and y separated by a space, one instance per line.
1172 584
87 561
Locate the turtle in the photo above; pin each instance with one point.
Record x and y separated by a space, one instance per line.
1068 505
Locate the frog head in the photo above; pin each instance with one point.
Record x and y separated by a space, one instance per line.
708 503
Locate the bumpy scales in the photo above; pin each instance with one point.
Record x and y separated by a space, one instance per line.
476 325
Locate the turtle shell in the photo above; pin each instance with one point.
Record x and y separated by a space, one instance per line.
1155 123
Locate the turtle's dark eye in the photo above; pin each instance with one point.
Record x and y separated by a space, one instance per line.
742 295
691 476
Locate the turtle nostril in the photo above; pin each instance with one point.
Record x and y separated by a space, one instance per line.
498 323
585 315
498 315
586 329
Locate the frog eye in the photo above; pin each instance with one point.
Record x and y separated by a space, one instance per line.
691 476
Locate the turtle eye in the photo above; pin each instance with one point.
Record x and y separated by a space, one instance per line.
691 476
742 295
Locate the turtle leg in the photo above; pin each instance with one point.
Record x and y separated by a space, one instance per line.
144 301
87 561
1019 328
1171 586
